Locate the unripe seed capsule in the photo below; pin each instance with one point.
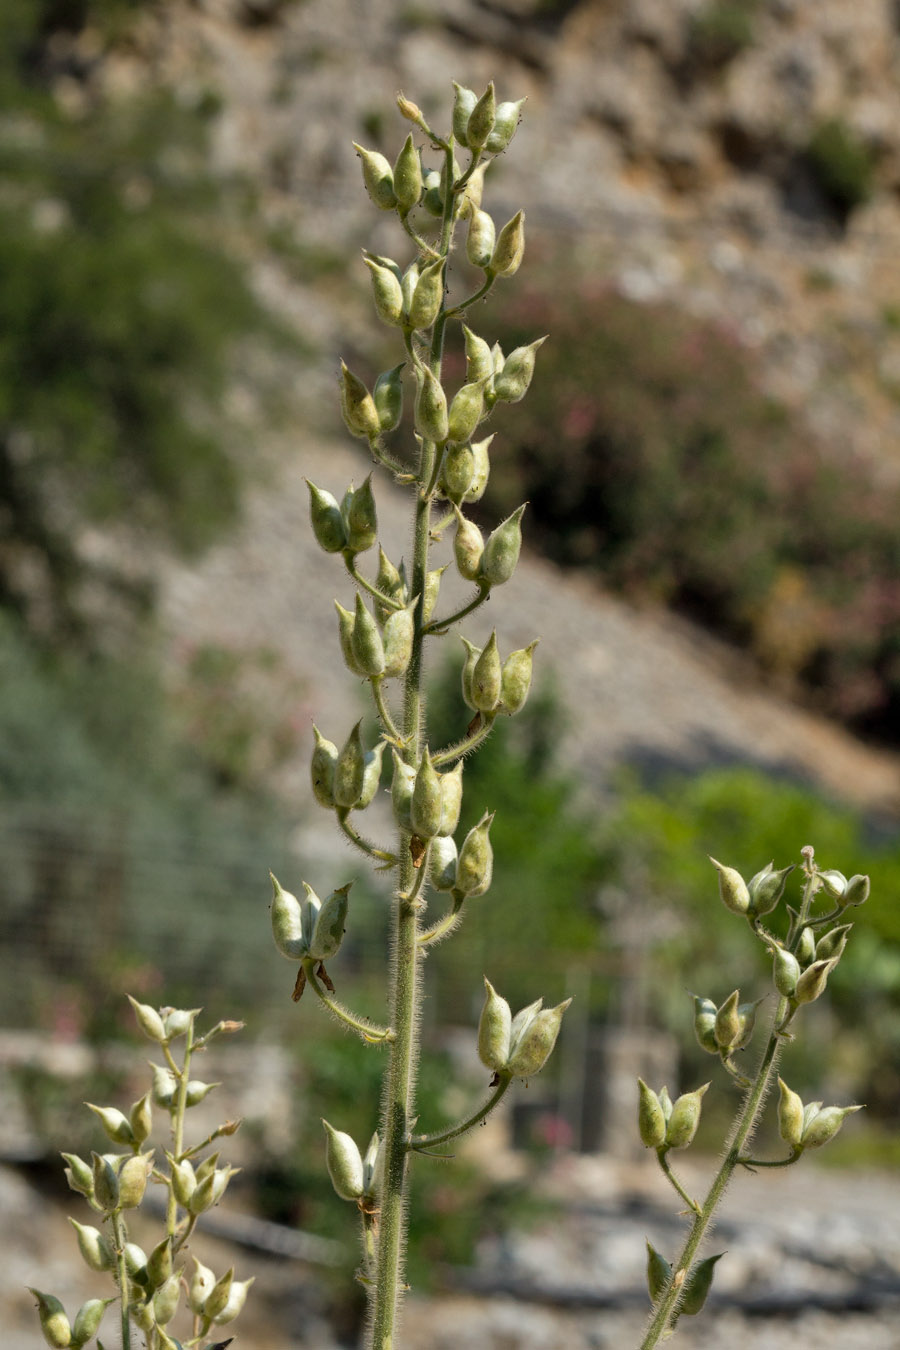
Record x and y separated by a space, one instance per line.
402 785
512 383
473 191
728 1025
88 1319
95 1250
386 293
506 121
159 1264
651 1121
767 888
218 1295
106 1184
476 859
534 1046
408 283
54 1323
482 469
116 1125
184 1180
350 770
698 1284
236 1299
831 946
201 1286
331 921
468 548
388 398
732 889
479 364
465 412
426 301
659 1271
515 683
399 630
464 101
431 409
425 808
432 197
834 883
132 1179
806 946
786 971
148 1019
287 926
324 759
682 1123
857 892
164 1086
368 648
432 590
344 1163
407 177
371 776
360 517
140 1118
746 1015
790 1115
451 799
457 471
472 655
812 982
494 1030
178 1021
442 861
825 1125
198 1091
510 247
705 1024
346 624
357 406
487 677
389 582
378 177
481 119
166 1300
501 552
481 239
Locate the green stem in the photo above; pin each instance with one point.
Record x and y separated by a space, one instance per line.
460 749
438 627
420 1141
374 1035
778 1162
380 854
120 1237
384 712
458 310
671 1177
179 1109
444 925
378 595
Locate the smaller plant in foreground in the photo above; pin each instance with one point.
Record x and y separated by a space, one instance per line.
150 1287
801 963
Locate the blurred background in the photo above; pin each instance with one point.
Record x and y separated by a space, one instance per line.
709 452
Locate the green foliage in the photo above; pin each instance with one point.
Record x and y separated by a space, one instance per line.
720 31
672 473
843 165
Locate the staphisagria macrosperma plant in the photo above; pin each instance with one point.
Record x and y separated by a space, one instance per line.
152 1288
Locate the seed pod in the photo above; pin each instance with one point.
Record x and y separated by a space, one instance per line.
728 1025
164 1086
388 398
476 859
465 411
442 861
386 293
324 759
218 1296
457 471
746 1016
479 365
425 305
54 1323
481 119
651 1121
346 624
360 517
198 1091
432 590
468 547
494 1030
786 971
487 676
373 1167
857 892
344 1163
481 238
287 924
812 982
824 1125
512 383
106 1183
399 630
432 197
831 946
507 118
472 655
95 1250
705 1024
431 410
682 1123
330 924
184 1180
464 101
349 771
470 199
407 177
408 283
402 785
140 1117
368 648
767 888
515 683
371 776
498 358
357 406
451 799
510 247
203 1281
698 1284
482 469
834 883
149 1020
530 1051
501 552
390 582
732 889
166 1300
237 1297
425 808
159 1264
659 1272
665 1102
116 1125
178 1021
378 177
806 946
133 1175
790 1115
88 1319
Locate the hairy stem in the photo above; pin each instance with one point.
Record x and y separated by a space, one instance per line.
420 1141
120 1237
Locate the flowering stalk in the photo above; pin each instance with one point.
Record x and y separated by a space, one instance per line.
383 637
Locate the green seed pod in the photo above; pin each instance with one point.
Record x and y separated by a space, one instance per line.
373 1168
386 293
350 770
705 1024
482 469
698 1284
786 971
203 1198
728 1025
88 1319
746 1015
470 198
510 247
831 946
309 912
432 591
479 365
481 239
465 411
203 1281
198 1091
515 682
457 471
408 283
494 1028
287 923
178 1021
425 808
487 677
806 946
531 1049
651 1121
135 1259
682 1123
331 922
512 383
324 759
432 197
857 892
133 1176
164 1086
665 1102
96 1252
390 582
468 547
498 359
402 785
442 861
464 101
425 305
732 889
184 1180
106 1183
834 884
368 648
140 1117
472 655
371 776
790 1115
476 859
116 1126
767 888
149 1020
812 982
431 410
360 517
159 1264
481 119
54 1323
501 552
378 177
407 177
399 630
344 1163
357 406
824 1125
207 1166
507 118
659 1272
451 799
218 1296
346 624
166 1300
142 1315
236 1300
388 398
